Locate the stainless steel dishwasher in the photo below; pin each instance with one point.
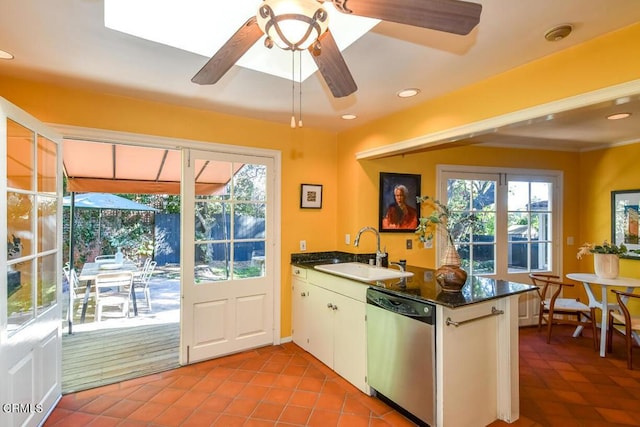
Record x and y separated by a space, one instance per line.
401 352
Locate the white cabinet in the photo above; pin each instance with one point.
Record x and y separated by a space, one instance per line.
477 363
330 312
300 307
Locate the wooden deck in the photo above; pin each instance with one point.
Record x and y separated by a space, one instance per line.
105 356
100 353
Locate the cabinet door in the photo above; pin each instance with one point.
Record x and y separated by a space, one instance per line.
320 323
300 312
350 343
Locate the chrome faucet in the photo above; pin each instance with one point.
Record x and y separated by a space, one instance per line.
379 254
402 266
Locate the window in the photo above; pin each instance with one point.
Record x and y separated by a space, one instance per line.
31 206
518 210
230 224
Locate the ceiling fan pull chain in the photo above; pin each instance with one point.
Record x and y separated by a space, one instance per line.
293 90
300 87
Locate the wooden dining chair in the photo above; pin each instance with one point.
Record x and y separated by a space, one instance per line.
573 312
113 290
624 318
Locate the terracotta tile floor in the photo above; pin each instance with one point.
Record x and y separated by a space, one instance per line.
563 384
567 383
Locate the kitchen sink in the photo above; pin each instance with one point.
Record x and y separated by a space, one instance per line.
362 272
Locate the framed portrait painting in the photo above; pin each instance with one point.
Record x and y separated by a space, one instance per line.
399 210
311 196
625 207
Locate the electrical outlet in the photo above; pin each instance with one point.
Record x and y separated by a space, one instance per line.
409 244
347 239
570 240
303 245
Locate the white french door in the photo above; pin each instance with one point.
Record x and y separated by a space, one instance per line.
30 267
228 254
519 231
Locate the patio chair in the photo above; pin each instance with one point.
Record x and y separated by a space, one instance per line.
549 289
113 290
76 291
630 323
141 282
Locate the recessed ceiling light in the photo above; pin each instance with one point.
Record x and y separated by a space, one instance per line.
558 32
349 116
5 55
408 93
618 116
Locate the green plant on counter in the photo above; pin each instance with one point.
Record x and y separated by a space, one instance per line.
454 224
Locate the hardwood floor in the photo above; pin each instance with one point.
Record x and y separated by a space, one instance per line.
118 349
106 356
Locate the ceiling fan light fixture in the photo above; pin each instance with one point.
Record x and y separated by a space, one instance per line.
292 24
618 116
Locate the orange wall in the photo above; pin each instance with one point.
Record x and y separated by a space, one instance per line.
308 155
366 175
602 172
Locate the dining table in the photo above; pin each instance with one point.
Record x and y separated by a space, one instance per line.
590 281
91 269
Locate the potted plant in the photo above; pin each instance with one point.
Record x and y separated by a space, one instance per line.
606 258
449 275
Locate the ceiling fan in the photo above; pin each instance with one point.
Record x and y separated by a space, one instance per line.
303 25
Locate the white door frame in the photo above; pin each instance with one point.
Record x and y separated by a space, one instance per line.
100 135
528 302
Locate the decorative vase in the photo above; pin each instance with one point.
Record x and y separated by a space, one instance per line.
607 266
449 275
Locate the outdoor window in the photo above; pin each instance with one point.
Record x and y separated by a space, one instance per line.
230 224
31 206
516 211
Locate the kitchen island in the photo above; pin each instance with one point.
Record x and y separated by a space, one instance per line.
476 335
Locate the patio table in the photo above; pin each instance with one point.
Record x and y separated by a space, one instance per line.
91 269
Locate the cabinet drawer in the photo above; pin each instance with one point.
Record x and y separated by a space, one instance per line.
299 272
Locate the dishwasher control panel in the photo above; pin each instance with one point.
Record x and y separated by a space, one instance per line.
421 311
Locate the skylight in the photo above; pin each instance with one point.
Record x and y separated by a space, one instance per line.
203 26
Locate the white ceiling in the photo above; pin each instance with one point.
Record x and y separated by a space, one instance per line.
67 42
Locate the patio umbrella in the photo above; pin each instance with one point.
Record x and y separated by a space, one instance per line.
104 201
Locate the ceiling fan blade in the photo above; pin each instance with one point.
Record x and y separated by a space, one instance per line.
332 66
452 16
229 53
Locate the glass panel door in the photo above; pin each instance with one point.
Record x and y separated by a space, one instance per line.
228 262
30 315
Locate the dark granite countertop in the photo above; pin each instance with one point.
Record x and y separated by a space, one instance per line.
310 259
422 286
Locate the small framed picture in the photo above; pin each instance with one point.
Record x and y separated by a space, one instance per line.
625 220
311 196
